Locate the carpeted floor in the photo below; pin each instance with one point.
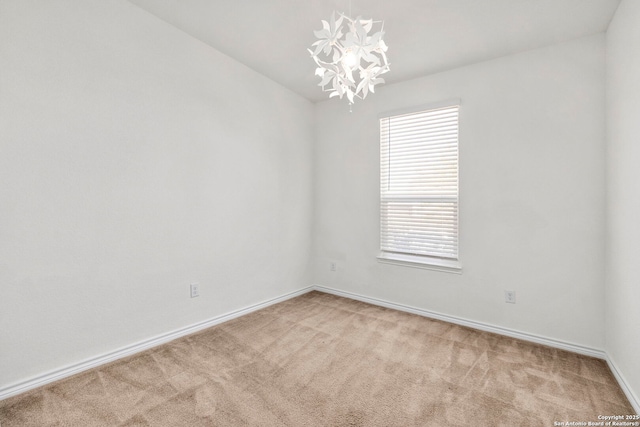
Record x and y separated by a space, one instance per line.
322 360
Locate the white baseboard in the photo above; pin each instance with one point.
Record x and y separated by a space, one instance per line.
57 374
587 351
633 399
93 362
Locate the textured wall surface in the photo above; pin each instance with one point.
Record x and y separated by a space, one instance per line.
134 161
532 144
623 192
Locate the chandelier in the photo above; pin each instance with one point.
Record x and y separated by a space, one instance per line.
350 61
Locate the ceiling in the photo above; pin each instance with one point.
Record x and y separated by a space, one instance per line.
424 36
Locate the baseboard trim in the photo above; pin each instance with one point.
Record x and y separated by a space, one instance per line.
633 399
69 370
93 362
587 351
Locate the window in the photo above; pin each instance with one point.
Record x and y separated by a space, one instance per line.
419 187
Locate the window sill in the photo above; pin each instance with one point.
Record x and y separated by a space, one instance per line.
425 262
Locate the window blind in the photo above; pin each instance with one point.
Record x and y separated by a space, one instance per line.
419 183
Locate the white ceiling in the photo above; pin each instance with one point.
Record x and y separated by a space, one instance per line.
424 36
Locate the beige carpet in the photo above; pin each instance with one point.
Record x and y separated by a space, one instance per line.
321 360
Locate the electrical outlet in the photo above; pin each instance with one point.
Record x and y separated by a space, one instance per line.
333 266
195 290
510 297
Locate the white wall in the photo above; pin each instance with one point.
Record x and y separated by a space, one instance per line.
623 193
133 161
532 145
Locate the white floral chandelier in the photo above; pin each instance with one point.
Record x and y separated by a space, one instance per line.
349 65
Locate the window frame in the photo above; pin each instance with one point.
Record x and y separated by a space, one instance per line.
450 265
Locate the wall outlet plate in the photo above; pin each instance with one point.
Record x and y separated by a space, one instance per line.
333 266
195 290
510 297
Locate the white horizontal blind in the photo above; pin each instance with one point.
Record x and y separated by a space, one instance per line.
419 183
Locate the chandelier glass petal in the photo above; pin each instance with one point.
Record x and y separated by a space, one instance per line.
350 56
